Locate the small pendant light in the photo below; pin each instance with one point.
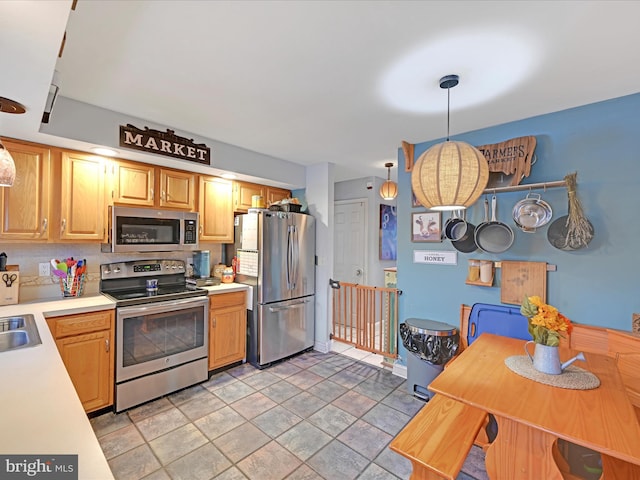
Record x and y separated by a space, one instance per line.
7 165
449 175
389 189
7 168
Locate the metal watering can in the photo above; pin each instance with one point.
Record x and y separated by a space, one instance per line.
546 359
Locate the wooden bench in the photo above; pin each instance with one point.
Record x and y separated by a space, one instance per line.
438 439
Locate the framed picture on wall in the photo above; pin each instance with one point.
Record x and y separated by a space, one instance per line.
426 227
388 232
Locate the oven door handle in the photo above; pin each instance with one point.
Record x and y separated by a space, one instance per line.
148 308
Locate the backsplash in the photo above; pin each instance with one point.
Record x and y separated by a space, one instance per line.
36 288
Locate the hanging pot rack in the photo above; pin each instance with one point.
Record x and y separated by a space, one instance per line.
531 186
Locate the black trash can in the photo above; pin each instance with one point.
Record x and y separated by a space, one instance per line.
430 345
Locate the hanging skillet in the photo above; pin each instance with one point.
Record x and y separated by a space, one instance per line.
494 236
573 231
465 242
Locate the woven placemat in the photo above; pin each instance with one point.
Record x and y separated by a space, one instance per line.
572 377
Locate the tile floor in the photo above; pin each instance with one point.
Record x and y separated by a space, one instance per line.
315 416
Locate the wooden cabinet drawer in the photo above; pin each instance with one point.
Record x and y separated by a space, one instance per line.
80 323
222 300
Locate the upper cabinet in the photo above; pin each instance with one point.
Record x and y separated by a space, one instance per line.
132 183
276 194
24 208
244 191
82 198
216 209
140 184
177 189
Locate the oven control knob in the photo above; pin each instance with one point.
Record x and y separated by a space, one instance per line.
106 271
116 270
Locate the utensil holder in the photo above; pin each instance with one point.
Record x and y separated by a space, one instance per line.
72 286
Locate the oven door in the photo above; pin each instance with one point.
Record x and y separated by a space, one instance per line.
158 336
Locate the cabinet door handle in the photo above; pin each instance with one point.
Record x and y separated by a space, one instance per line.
213 320
63 225
151 192
163 196
107 345
45 224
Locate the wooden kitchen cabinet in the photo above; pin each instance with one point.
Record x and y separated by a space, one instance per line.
227 328
82 197
243 191
143 185
24 207
276 194
132 183
216 209
85 343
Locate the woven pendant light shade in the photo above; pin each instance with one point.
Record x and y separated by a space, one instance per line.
389 190
7 168
449 176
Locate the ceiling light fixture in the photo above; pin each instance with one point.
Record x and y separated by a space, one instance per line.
449 175
389 189
7 167
106 152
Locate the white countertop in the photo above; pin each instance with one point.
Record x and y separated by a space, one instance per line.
41 413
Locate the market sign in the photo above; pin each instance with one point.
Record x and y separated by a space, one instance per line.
164 143
436 257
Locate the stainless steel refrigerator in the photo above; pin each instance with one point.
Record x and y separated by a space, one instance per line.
276 255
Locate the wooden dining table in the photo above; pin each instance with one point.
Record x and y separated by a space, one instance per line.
532 416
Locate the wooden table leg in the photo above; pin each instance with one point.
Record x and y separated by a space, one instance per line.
521 452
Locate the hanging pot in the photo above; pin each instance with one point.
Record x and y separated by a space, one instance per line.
466 243
494 236
531 212
455 227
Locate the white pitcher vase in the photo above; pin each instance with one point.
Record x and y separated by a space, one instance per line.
546 359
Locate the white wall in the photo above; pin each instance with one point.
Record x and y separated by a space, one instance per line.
319 195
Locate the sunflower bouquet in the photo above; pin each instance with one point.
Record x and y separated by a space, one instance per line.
546 324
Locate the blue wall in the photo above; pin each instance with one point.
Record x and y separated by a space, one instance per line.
598 285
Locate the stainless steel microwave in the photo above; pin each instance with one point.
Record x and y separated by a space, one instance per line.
151 230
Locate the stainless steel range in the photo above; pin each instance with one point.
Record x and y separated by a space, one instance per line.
161 329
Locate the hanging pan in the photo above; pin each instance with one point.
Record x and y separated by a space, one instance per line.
573 231
466 242
531 212
494 236
455 227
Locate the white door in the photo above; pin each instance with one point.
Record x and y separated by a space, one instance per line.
350 242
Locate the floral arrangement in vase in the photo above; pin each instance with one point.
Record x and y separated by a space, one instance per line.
546 324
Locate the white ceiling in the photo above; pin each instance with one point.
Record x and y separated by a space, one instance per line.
318 81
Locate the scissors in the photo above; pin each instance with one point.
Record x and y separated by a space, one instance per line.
9 279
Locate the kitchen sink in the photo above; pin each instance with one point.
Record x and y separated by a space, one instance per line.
18 331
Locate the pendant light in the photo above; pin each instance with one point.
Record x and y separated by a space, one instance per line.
389 189
7 165
449 175
7 168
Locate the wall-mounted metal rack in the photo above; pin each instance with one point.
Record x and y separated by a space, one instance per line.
531 186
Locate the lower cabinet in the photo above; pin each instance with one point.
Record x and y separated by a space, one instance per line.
227 328
85 343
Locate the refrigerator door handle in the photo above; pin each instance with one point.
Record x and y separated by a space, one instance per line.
287 307
289 256
296 257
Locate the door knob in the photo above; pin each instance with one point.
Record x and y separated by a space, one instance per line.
358 272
